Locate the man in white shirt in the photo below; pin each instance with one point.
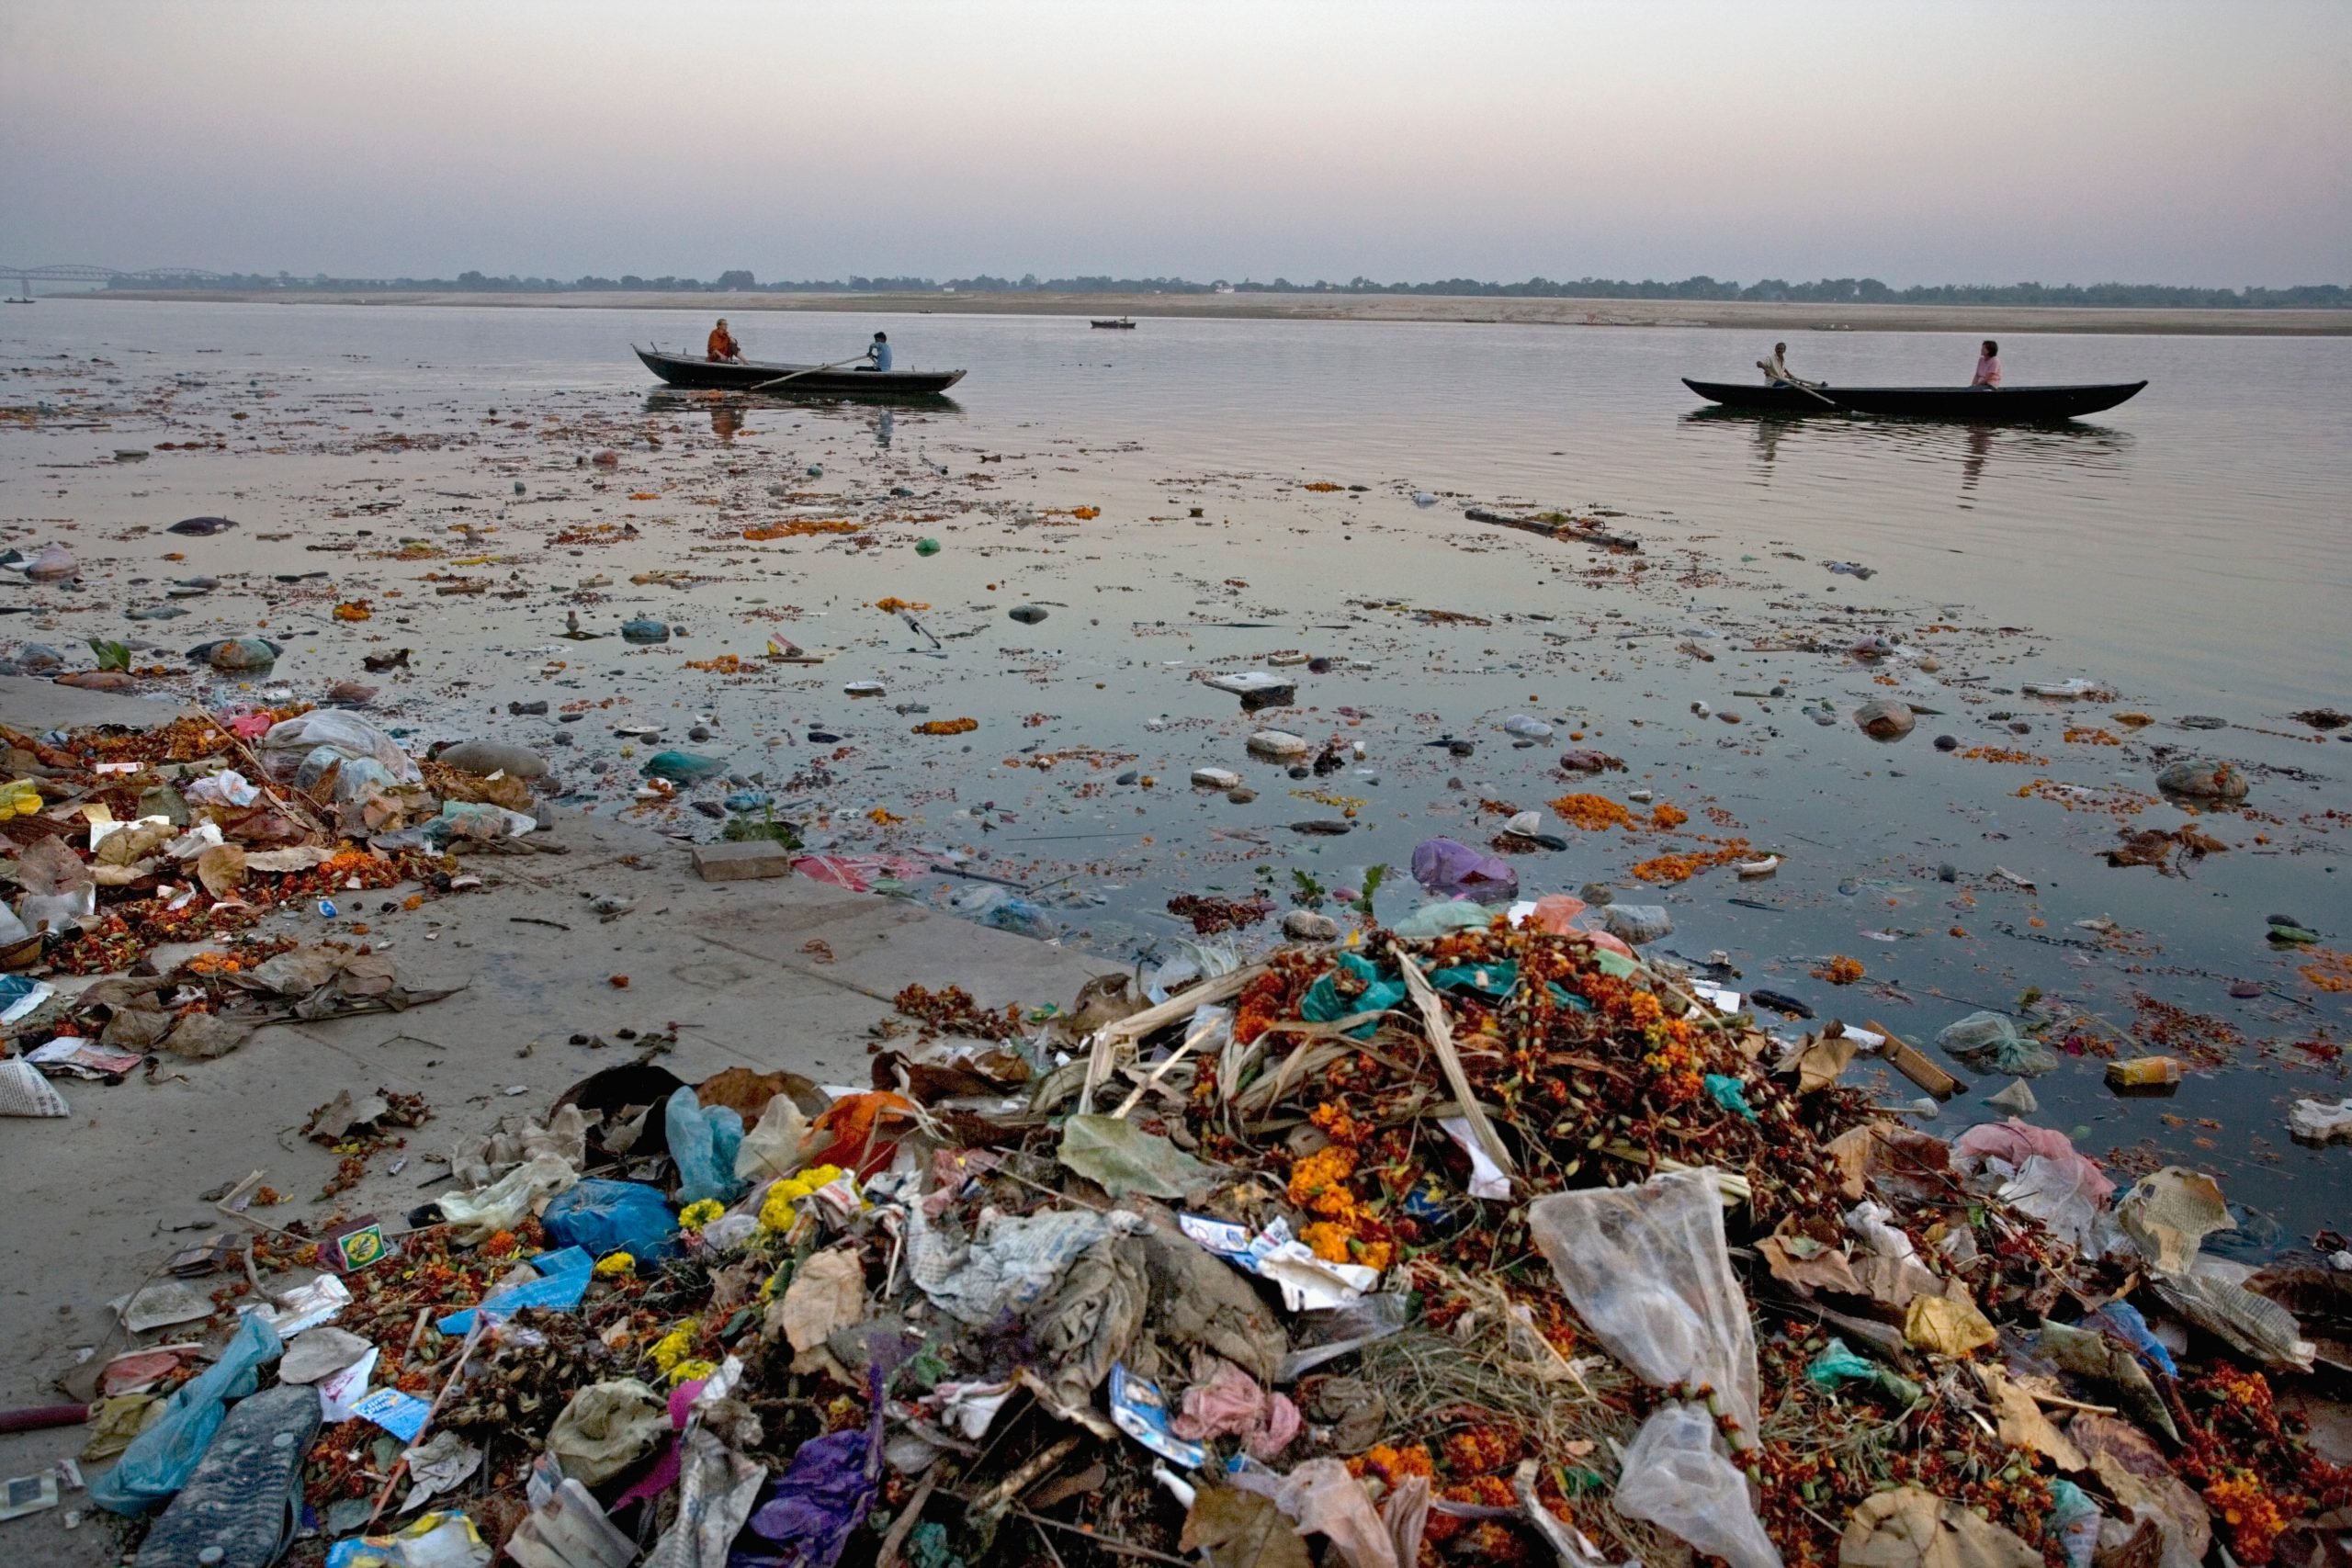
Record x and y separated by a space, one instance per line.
1776 369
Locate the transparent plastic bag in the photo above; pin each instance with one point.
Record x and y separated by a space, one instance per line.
777 1145
1989 1040
477 1215
1648 1270
286 745
1676 1477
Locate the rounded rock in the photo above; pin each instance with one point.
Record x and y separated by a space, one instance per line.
1305 925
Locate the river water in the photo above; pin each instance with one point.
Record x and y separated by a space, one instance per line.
2187 551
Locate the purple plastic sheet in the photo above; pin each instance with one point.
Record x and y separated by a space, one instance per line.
818 1502
1446 866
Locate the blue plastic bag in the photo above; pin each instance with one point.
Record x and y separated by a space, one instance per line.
1730 1093
563 1280
1323 1003
703 1142
2123 1320
160 1459
601 1217
2073 1518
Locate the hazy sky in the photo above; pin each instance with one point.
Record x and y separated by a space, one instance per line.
2055 141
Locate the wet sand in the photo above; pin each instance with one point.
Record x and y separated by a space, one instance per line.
1744 315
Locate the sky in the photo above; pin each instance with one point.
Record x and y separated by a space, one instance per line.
2060 141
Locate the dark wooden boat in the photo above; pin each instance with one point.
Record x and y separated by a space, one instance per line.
742 376
1973 405
1122 323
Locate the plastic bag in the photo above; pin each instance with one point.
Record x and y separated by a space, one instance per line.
1990 1040
601 1217
1439 920
357 779
160 1459
1445 865
704 1142
1836 1364
1675 1477
607 1428
1367 992
2064 1195
2122 1319
2073 1518
1648 1270
288 745
777 1146
477 1215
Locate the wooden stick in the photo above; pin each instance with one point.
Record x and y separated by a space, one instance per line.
417 1335
1128 1030
2062 1403
905 1522
465 1353
1441 1034
1159 1072
1030 1470
1914 1066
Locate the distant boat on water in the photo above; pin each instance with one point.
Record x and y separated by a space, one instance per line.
1973 405
1122 324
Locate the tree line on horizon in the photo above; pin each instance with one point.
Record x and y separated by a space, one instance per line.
1828 290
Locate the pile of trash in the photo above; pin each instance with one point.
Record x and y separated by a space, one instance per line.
122 841
1490 1244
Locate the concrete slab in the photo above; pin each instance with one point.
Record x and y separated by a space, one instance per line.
743 861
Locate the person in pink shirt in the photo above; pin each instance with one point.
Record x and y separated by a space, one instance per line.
1988 367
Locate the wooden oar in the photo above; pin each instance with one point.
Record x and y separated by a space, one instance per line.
1799 386
835 366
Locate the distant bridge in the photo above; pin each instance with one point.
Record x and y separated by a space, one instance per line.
82 272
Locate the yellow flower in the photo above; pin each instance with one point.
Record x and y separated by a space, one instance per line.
615 1263
670 1349
778 1209
686 1372
695 1215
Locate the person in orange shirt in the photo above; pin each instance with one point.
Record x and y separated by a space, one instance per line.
723 346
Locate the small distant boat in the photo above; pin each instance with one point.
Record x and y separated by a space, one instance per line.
1973 405
1122 324
745 374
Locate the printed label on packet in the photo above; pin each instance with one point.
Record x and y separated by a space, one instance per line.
401 1414
1140 1411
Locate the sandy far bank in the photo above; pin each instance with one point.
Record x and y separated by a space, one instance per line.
1745 315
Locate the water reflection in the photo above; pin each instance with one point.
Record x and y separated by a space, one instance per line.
1975 449
727 409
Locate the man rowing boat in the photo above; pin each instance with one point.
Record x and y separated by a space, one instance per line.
1776 369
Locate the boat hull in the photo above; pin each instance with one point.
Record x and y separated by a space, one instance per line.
1971 405
742 376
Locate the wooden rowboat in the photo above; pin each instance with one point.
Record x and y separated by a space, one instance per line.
694 370
1122 323
1973 405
